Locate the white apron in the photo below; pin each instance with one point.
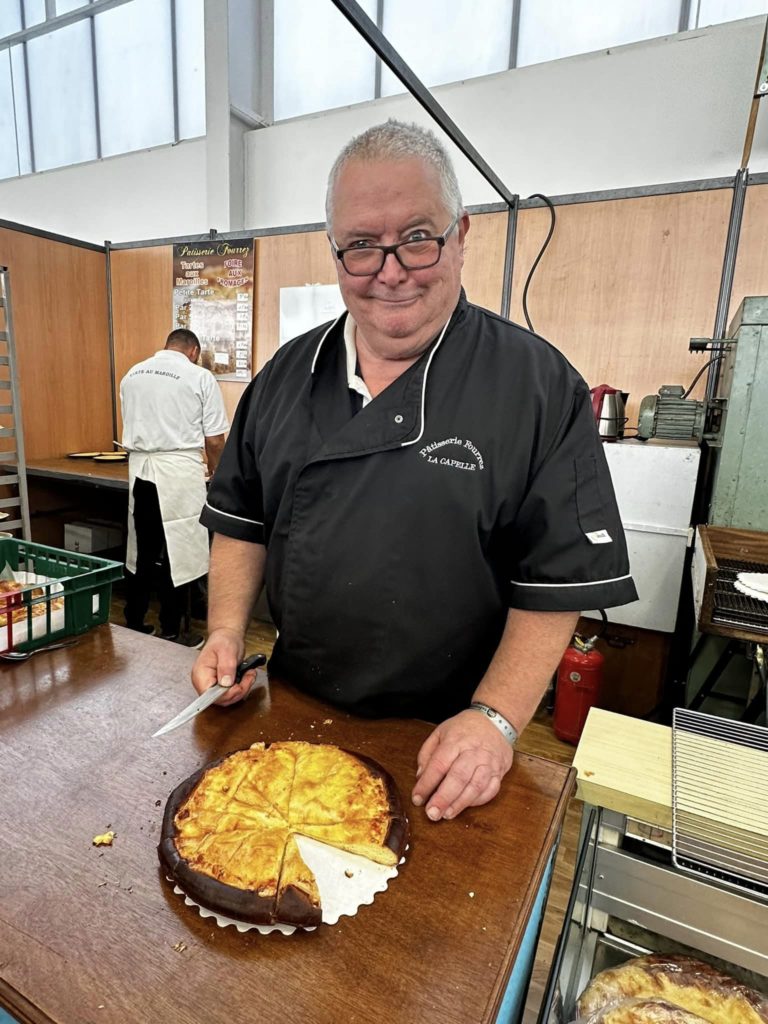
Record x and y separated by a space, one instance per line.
180 481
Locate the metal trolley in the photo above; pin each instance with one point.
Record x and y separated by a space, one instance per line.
640 888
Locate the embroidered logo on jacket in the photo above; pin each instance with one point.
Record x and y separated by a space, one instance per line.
454 452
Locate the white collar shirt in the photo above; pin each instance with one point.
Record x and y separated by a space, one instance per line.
355 381
170 404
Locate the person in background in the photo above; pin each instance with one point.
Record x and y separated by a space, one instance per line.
172 410
420 484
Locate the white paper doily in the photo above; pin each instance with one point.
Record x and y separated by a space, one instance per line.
756 595
754 580
346 882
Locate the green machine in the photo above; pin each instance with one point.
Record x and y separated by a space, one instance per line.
740 487
733 423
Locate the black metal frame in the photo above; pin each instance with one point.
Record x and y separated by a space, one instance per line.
111 339
739 185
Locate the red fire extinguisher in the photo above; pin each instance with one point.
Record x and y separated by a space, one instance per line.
579 678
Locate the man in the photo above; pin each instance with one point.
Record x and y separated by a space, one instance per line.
421 486
172 408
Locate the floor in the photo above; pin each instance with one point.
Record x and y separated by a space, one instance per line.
538 739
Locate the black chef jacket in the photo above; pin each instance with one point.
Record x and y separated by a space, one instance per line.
398 535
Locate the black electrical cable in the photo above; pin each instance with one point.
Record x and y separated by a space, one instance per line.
544 199
714 359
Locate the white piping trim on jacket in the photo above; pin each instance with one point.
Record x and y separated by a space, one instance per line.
590 583
424 384
320 344
229 515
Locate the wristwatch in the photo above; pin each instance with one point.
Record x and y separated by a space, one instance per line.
505 727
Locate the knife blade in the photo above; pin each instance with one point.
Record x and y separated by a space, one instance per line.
209 696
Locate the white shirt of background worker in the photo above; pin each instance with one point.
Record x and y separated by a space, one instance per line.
172 409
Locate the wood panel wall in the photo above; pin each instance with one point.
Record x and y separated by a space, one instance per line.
59 301
624 284
622 287
142 312
285 261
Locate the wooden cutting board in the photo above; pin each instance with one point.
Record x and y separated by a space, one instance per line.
625 765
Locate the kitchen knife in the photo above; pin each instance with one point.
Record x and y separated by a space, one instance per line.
209 696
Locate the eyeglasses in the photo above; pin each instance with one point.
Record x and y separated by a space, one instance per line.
365 261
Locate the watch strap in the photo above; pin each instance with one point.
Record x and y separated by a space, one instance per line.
505 727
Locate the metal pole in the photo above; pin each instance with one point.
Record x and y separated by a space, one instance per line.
18 423
726 279
175 72
761 89
382 47
509 260
734 224
111 339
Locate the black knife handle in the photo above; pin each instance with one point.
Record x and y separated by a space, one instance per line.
251 662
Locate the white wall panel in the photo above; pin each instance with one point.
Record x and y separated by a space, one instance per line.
153 194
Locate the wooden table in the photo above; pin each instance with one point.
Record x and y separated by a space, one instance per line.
82 471
63 490
92 934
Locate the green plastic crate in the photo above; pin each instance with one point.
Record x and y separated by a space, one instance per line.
84 581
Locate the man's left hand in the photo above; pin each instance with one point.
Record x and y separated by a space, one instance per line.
461 764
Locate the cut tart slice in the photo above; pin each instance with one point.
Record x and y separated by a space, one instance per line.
298 897
270 774
332 785
380 839
236 874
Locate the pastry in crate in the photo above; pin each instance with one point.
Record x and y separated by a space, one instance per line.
12 601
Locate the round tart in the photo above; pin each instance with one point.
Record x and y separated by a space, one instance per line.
229 830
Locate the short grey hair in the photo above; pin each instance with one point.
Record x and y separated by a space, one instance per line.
398 140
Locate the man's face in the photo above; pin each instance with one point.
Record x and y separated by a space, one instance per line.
384 202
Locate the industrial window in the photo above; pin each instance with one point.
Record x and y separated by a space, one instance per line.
473 41
320 62
550 29
81 79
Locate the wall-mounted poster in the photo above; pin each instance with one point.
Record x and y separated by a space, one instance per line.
213 296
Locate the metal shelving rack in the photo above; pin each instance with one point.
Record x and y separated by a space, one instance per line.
13 472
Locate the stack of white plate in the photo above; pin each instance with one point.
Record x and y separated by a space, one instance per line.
753 584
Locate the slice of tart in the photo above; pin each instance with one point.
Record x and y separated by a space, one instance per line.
298 897
379 839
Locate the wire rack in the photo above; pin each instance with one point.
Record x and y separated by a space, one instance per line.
720 800
732 608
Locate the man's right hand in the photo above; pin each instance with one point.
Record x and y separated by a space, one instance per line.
217 663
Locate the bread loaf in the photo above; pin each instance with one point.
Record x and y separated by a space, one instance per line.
682 981
642 1011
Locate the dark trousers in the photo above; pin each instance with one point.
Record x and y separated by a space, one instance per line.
153 569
